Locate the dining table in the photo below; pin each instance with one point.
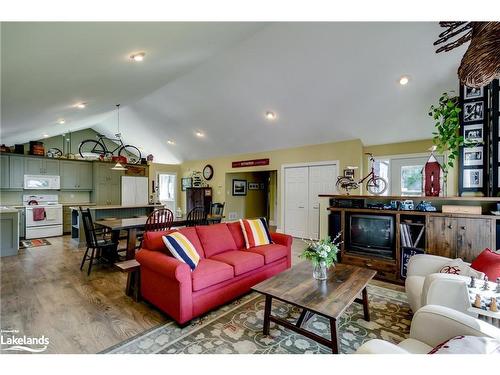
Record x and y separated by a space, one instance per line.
133 224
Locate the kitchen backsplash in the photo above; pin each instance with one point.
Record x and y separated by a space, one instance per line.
9 198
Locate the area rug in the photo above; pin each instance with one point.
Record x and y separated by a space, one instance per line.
237 328
25 244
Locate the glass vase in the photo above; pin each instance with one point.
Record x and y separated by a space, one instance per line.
320 271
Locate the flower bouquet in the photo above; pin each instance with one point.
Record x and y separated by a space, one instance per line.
322 254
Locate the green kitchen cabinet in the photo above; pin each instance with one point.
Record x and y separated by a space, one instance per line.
41 166
4 172
107 185
16 172
76 175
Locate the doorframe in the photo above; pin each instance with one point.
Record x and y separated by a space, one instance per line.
176 194
281 226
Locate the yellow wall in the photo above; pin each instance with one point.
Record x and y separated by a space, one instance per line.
251 205
347 153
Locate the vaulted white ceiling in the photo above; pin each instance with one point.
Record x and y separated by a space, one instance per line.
326 82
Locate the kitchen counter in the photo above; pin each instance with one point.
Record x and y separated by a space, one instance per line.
117 207
9 209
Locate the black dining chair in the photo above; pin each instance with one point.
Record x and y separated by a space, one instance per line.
217 209
197 216
159 220
94 243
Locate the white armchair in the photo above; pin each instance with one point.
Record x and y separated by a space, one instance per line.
424 284
431 326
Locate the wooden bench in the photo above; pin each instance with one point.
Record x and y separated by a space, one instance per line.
132 268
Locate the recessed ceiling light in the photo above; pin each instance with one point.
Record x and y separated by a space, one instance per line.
81 105
404 80
199 134
61 122
170 142
270 115
137 56
45 136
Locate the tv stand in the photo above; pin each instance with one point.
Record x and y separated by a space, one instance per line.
444 234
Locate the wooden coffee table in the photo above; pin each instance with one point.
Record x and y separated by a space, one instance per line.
328 298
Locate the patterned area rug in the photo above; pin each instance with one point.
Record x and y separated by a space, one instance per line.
237 328
24 244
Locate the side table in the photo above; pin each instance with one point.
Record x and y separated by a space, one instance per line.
133 270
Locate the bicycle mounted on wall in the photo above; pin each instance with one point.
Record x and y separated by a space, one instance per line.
375 184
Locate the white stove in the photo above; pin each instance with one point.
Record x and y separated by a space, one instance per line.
44 216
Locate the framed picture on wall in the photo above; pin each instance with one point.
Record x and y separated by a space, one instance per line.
186 182
473 111
472 92
239 187
473 178
253 186
473 156
473 133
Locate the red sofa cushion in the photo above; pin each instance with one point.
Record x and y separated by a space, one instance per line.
154 241
216 239
488 262
237 233
241 261
210 272
270 252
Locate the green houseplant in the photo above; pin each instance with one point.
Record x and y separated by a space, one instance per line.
322 254
446 136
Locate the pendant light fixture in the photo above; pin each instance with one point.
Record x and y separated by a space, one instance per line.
118 166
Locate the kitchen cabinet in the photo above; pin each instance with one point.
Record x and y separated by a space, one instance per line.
4 172
16 172
41 166
107 184
459 237
22 223
76 175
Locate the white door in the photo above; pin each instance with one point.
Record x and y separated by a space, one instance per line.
296 201
134 190
322 180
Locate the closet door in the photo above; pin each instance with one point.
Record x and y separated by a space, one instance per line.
322 180
296 201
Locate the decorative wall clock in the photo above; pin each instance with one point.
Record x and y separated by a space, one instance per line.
208 172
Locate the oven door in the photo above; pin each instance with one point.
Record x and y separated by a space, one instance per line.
53 216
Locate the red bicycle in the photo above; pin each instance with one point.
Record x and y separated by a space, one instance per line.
375 184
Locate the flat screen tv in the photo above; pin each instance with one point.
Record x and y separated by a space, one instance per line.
372 235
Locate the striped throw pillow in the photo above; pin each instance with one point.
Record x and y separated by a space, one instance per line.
256 232
181 248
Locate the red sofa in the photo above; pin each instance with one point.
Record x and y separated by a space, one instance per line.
226 269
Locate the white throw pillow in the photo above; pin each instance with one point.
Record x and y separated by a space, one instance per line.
468 345
459 267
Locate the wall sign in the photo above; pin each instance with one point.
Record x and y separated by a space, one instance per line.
250 163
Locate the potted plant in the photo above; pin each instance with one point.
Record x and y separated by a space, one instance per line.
322 254
446 135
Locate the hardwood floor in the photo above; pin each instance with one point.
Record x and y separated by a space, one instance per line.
43 292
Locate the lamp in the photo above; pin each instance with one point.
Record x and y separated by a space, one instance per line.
118 166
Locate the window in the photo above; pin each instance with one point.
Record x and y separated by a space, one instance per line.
166 190
403 173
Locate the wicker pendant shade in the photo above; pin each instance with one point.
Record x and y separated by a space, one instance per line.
481 62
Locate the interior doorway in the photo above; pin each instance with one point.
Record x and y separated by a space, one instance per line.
167 186
255 195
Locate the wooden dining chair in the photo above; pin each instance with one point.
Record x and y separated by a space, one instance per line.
197 216
217 209
159 220
94 243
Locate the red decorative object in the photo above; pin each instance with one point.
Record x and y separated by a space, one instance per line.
488 262
432 177
119 159
250 163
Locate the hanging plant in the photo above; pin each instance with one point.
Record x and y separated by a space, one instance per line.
446 136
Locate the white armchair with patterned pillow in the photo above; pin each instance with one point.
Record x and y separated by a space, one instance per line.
431 326
425 284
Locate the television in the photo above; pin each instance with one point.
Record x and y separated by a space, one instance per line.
371 235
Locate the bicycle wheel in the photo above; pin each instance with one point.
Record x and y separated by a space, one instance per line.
132 154
345 184
91 148
376 185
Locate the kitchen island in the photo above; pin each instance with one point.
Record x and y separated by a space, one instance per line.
9 231
106 212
